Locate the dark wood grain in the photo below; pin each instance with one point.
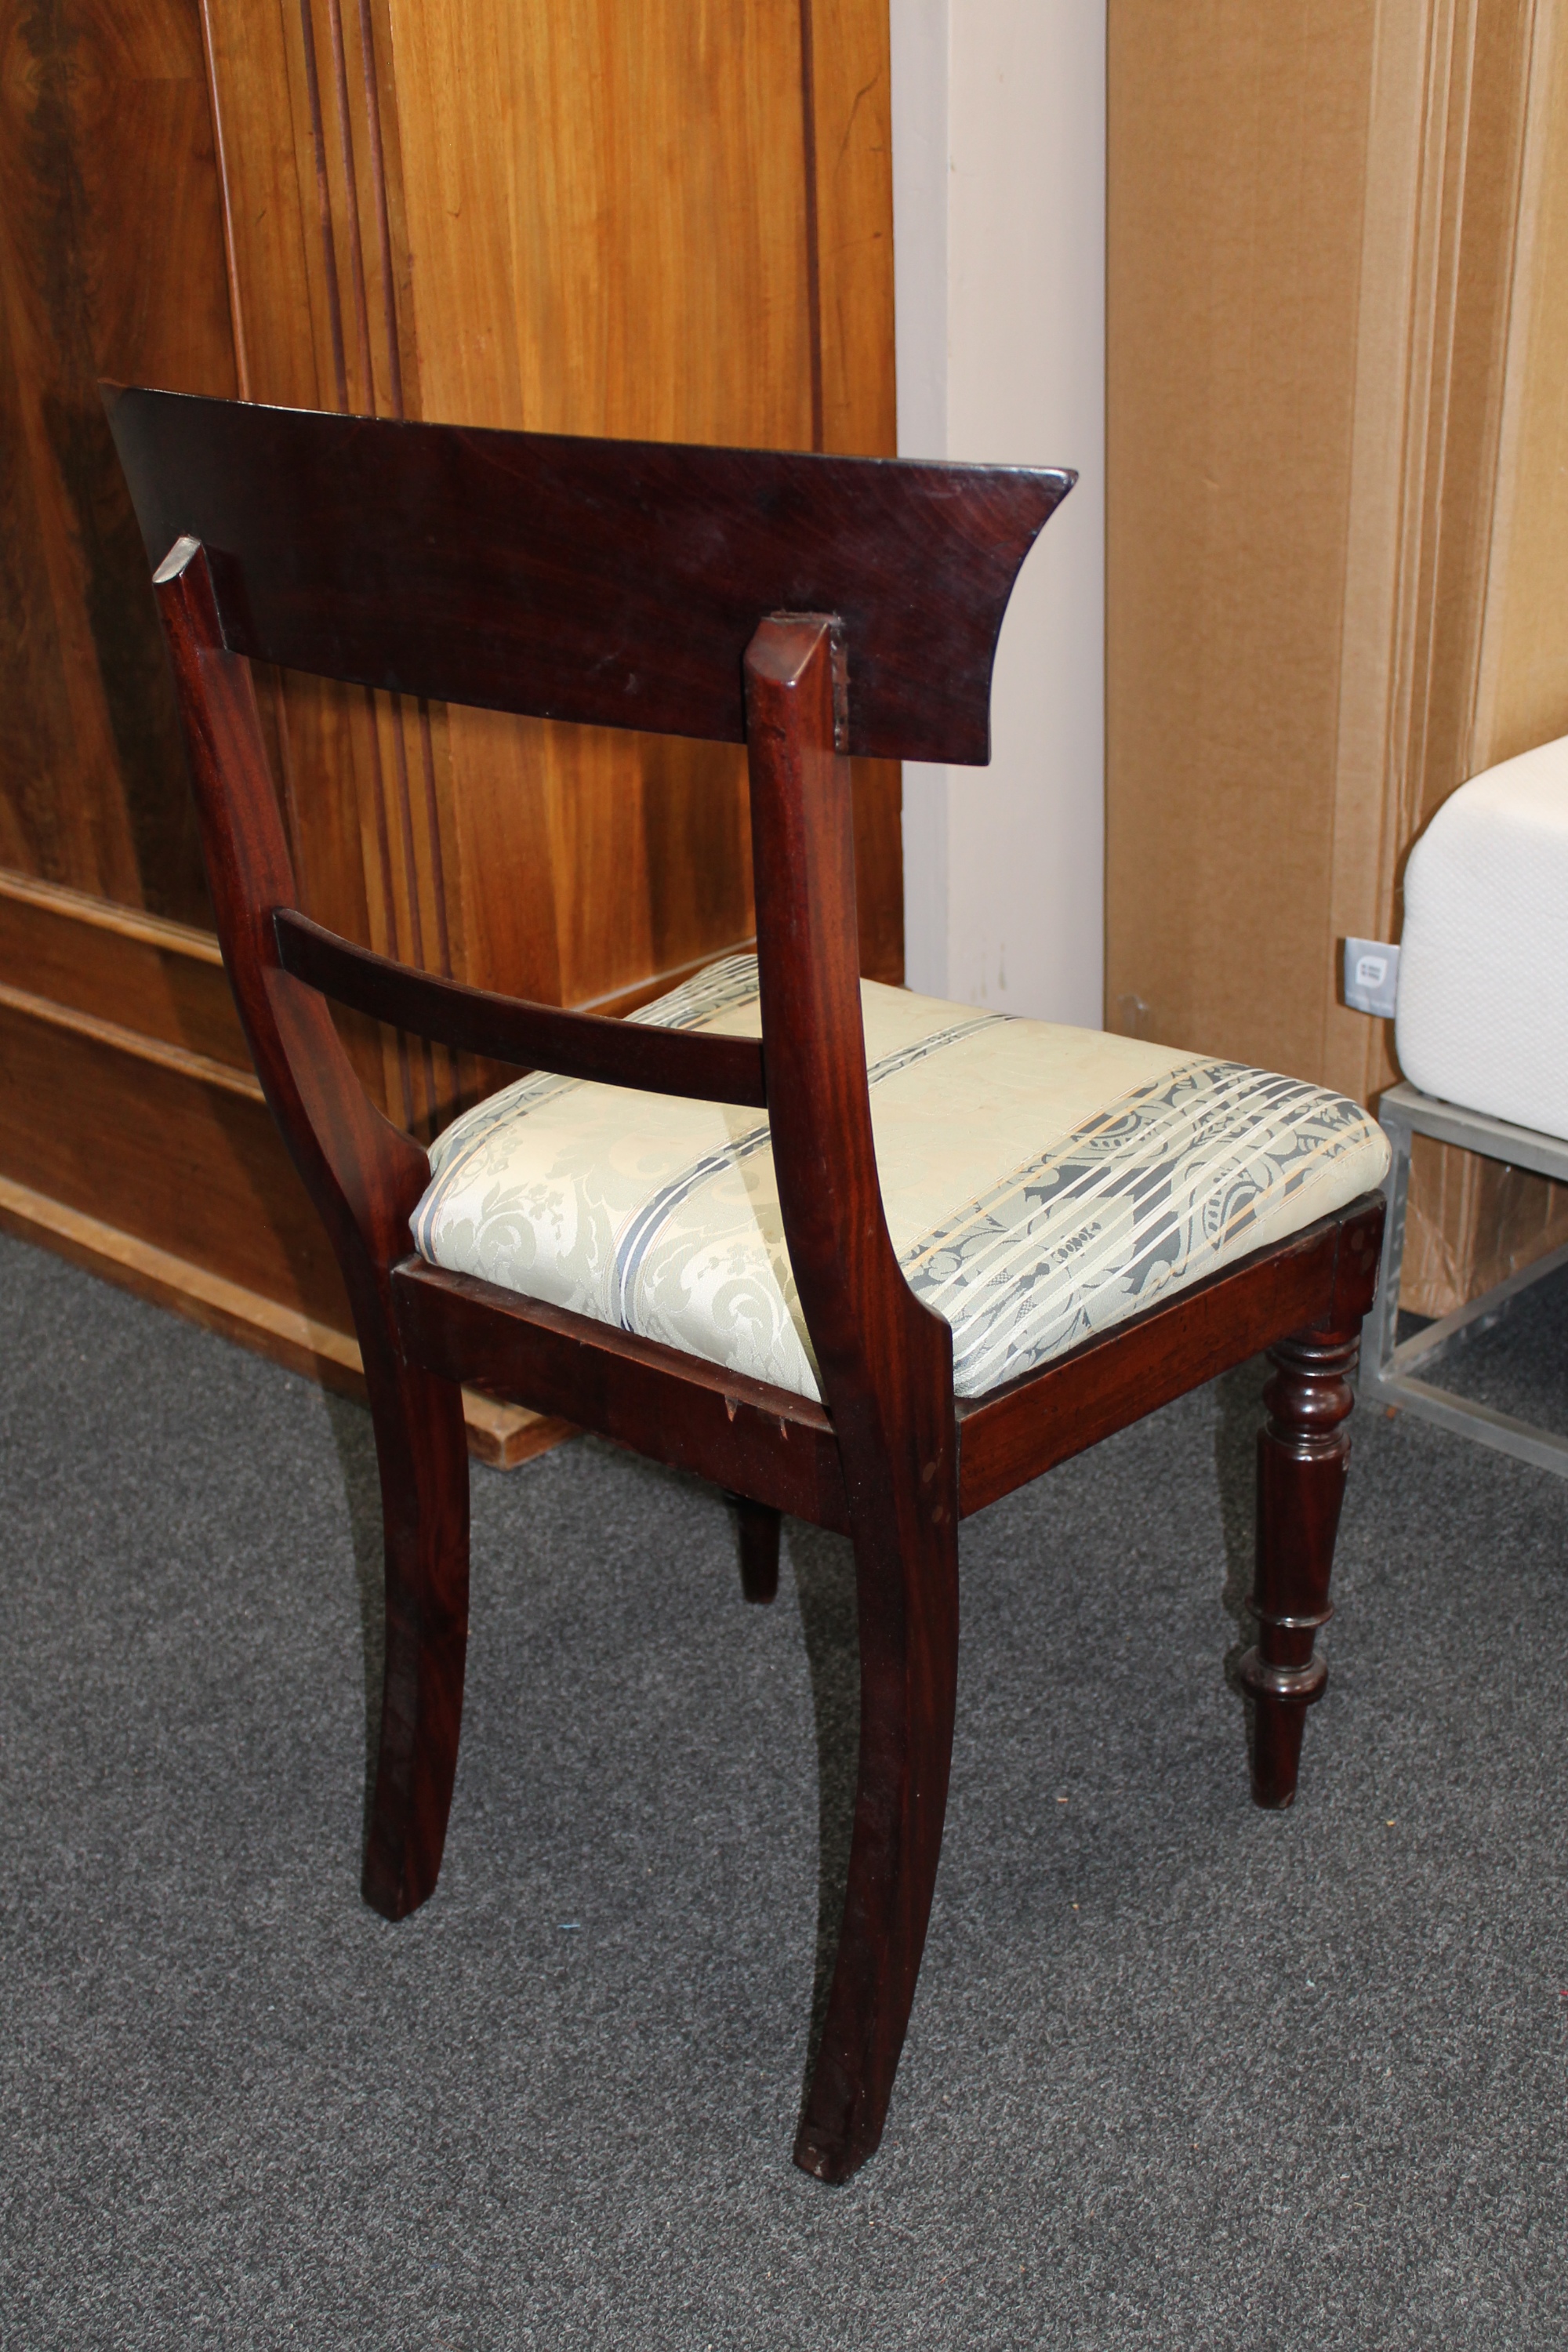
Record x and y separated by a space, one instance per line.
110 258
1028 1426
119 964
615 583
364 1178
505 1029
887 1455
746 1436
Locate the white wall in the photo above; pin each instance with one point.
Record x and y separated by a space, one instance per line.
999 246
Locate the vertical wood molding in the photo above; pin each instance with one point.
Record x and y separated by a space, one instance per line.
351 205
812 227
389 275
847 104
236 302
386 752
328 273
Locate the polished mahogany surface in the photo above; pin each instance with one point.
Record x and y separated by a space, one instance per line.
614 582
504 1029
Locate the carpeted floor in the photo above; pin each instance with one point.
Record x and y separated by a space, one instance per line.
1180 2073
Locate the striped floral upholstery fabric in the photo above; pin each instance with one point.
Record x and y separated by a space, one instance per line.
1041 1184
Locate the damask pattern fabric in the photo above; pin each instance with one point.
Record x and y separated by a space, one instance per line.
1041 1184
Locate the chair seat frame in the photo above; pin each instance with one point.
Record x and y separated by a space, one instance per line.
889 1458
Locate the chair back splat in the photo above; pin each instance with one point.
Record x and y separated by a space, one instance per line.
615 583
607 582
813 608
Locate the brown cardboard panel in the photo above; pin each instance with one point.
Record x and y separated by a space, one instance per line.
1337 334
1237 162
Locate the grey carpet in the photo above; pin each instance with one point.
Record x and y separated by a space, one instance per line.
1517 1363
1179 2073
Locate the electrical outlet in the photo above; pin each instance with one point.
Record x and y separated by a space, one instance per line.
1371 977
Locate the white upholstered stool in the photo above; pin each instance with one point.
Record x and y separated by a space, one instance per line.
1482 1038
1041 1184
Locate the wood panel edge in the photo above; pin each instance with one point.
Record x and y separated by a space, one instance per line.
106 915
200 1068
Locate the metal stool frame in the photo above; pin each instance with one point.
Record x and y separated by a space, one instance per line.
1389 1366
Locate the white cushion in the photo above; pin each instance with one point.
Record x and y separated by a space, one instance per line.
1040 1183
1483 964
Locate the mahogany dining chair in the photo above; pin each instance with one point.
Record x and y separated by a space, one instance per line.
847 1185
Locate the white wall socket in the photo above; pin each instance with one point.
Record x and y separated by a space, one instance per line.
1371 977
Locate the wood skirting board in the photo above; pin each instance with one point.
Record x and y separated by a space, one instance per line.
137 1143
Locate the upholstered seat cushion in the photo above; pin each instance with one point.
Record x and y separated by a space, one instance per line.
1041 1184
1483 967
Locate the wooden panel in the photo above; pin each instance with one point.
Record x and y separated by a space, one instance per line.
154 1146
850 132
503 1436
571 278
110 261
162 979
576 283
164 1173
613 241
268 214
306 166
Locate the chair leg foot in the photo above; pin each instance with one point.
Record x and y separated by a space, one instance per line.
1302 1453
908 1611
759 1526
421 1450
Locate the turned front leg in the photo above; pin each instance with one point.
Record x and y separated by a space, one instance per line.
1302 1453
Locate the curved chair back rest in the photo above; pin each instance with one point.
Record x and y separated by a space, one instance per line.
614 583
810 608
